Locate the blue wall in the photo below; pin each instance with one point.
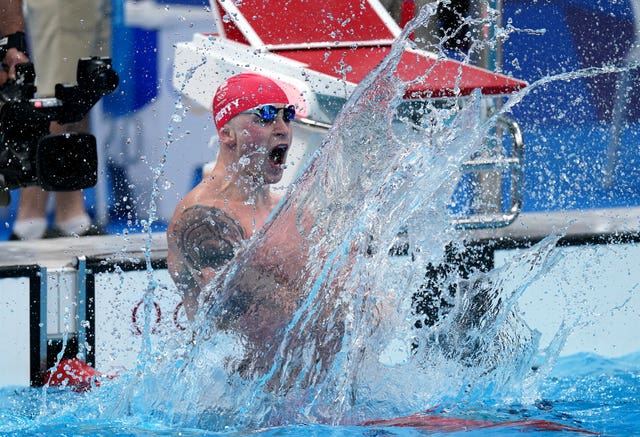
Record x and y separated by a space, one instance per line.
567 123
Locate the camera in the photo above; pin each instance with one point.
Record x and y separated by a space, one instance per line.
29 155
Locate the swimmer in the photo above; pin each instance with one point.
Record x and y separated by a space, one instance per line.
258 302
252 115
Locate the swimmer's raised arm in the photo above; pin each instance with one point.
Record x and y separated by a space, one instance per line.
202 239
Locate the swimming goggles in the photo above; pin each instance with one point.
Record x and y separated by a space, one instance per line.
268 113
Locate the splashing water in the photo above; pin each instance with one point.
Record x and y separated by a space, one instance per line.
314 321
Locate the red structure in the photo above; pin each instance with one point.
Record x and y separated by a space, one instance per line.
325 34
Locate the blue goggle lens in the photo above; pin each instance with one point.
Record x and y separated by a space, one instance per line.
268 113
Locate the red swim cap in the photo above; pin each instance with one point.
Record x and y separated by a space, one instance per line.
242 92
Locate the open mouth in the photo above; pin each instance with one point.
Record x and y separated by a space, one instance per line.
278 154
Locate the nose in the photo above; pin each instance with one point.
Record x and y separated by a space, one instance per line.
280 127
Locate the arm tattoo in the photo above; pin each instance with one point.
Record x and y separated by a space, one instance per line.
207 236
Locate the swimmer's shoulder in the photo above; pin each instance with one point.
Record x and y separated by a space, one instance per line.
203 195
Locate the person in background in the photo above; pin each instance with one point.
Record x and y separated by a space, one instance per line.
60 32
13 48
253 118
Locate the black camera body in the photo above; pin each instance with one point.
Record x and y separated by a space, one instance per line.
29 155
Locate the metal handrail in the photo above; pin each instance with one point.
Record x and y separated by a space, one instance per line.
512 163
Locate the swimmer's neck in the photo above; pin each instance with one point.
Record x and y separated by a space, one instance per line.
240 189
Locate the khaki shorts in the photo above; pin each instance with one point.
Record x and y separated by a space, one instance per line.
62 31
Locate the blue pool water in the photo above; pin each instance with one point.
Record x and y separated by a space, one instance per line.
585 391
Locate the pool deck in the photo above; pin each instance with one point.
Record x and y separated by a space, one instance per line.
64 252
577 227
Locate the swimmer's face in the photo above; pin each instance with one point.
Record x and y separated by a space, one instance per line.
263 145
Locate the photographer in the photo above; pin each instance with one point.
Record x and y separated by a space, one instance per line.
61 32
12 43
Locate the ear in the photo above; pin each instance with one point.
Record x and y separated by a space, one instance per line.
227 136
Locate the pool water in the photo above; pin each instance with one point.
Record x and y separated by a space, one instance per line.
586 391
